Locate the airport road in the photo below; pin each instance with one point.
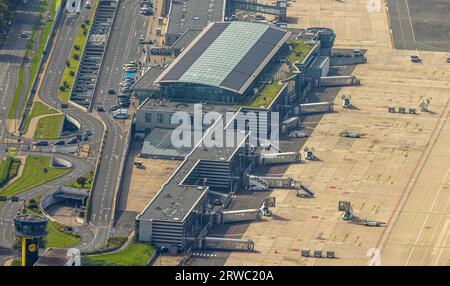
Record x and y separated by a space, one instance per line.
11 54
54 71
122 47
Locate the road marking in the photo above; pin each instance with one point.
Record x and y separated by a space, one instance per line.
426 218
442 248
410 22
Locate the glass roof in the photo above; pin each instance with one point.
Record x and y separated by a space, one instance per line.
222 56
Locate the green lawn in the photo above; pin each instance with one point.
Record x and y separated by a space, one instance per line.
89 178
48 127
17 93
33 175
266 96
136 254
8 169
59 239
80 40
299 52
38 109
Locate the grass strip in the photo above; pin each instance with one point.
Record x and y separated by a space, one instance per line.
33 175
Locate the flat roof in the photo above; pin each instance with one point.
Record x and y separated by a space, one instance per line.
155 104
148 79
319 62
193 14
159 143
227 55
185 39
174 201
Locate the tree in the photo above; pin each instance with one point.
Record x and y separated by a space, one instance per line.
32 204
81 181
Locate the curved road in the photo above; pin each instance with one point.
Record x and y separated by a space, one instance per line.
9 209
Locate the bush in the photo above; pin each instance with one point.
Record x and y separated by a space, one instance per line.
85 33
76 57
72 73
4 170
14 169
81 181
114 242
87 22
68 63
32 204
62 88
8 169
83 26
76 47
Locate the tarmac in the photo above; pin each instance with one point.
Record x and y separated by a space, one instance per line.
420 25
397 173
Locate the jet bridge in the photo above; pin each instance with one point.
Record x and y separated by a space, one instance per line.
262 183
317 107
279 9
222 217
219 243
279 158
327 81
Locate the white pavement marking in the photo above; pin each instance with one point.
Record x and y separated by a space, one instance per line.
426 218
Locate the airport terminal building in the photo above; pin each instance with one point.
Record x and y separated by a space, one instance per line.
229 67
217 68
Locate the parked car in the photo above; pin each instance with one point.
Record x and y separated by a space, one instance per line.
124 104
41 143
88 132
114 107
121 116
111 91
59 142
100 108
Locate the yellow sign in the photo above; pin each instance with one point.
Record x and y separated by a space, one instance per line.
32 247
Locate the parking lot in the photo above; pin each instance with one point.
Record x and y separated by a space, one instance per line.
86 79
397 169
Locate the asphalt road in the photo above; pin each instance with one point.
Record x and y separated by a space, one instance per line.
420 25
123 47
48 93
11 55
